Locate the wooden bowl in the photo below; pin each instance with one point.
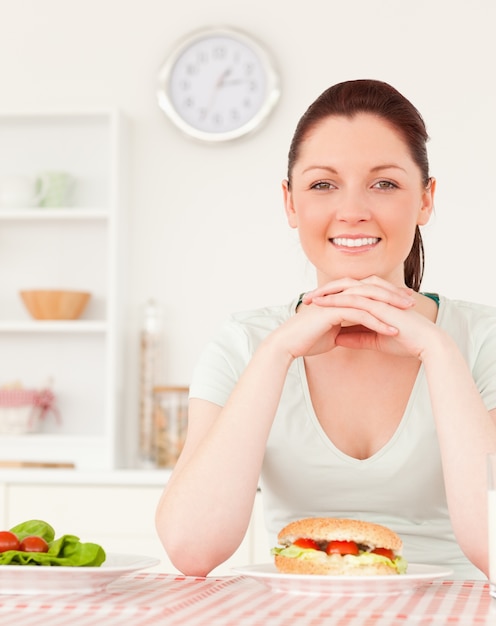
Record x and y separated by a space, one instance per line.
55 304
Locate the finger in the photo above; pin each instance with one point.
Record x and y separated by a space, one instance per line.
361 317
370 285
363 339
326 295
336 286
366 301
345 283
381 282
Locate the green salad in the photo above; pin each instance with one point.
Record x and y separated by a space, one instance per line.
36 545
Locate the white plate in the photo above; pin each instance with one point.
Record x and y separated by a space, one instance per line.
31 579
310 584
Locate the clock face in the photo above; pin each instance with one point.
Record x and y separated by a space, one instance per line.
218 85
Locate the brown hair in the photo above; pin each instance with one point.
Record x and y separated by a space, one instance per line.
378 98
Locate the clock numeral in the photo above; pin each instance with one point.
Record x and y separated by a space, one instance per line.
202 57
249 67
185 85
219 52
189 102
202 113
252 85
234 115
191 69
217 119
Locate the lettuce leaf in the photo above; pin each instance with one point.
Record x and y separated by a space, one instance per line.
67 550
34 527
364 558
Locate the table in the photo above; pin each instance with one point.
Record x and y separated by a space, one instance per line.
149 598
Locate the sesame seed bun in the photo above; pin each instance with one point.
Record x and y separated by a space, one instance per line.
323 530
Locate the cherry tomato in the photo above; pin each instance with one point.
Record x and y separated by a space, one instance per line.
342 547
33 543
307 543
8 541
384 552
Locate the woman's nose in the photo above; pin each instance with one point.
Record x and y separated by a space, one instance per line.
353 207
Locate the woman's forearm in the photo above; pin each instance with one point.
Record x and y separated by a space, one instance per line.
467 433
206 507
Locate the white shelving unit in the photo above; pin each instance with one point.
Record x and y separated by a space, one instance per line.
75 247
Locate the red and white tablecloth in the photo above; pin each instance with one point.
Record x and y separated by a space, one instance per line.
148 599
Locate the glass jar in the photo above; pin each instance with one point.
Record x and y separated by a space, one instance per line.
170 419
150 357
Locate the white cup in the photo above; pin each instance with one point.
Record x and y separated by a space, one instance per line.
18 191
491 505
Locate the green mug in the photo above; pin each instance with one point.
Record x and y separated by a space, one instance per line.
58 187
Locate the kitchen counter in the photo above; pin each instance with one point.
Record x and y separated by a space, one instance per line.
135 477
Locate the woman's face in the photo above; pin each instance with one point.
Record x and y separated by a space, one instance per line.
356 197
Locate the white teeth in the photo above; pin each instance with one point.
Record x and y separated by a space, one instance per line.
355 243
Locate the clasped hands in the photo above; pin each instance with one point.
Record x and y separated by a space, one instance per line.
370 314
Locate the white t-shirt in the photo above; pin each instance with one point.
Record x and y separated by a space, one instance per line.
305 475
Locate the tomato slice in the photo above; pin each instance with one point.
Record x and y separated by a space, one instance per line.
33 543
384 552
308 544
8 541
342 547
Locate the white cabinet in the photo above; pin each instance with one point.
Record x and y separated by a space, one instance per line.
121 518
75 247
118 517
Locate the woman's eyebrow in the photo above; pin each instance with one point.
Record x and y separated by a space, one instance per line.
328 168
376 168
387 166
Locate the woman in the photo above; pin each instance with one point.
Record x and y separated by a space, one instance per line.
364 398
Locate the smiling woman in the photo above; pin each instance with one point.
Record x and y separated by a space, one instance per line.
355 192
338 404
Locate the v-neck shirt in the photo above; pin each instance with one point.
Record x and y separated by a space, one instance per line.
304 474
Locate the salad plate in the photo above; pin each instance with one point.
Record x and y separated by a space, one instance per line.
32 579
417 575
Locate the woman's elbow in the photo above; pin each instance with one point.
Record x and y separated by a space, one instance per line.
183 552
190 564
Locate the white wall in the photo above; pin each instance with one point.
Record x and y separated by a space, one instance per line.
208 230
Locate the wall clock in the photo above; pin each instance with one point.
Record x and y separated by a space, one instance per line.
218 84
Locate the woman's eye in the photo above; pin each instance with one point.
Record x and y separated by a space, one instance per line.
385 184
322 184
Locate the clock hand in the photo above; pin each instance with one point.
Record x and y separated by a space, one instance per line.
219 83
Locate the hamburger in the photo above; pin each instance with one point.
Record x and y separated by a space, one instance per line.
339 547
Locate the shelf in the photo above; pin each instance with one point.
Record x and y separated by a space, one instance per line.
44 476
68 214
53 326
81 144
85 452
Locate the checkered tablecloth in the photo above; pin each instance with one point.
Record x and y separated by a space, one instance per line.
149 599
